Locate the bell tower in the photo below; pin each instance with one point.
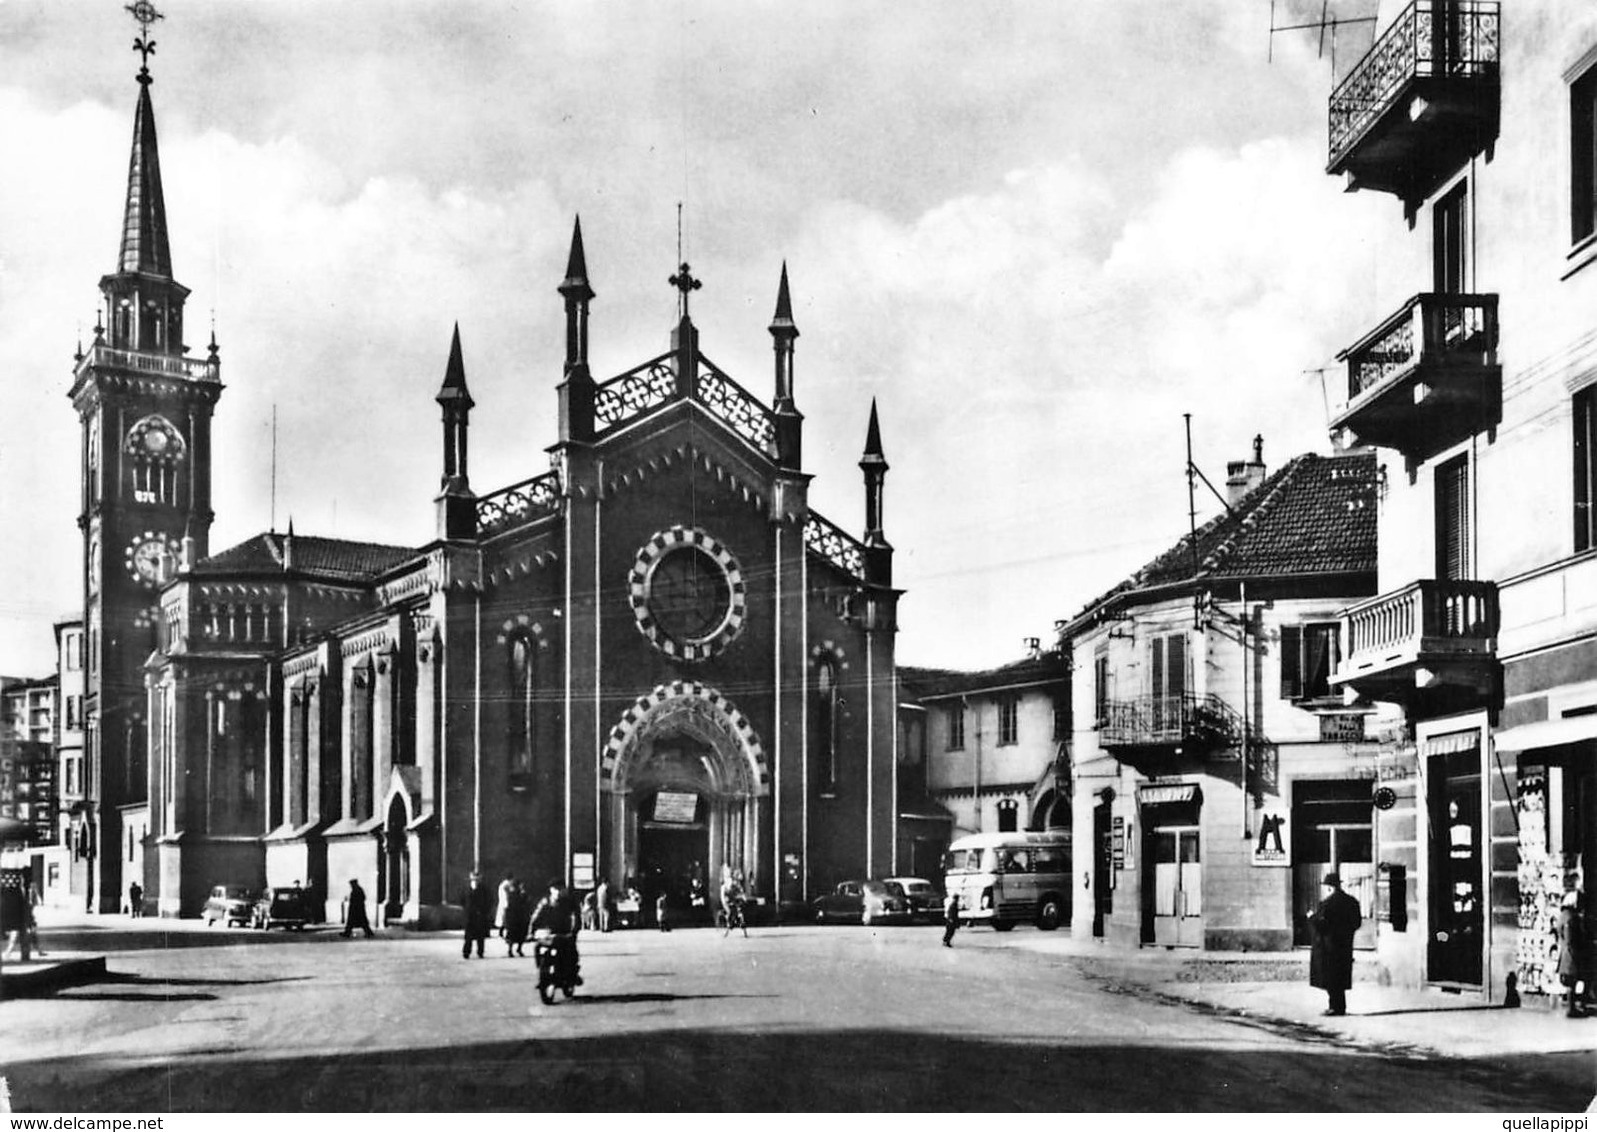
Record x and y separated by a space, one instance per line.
145 408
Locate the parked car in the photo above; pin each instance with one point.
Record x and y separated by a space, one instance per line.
864 901
281 908
230 904
925 902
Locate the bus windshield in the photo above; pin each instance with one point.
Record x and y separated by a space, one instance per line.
969 861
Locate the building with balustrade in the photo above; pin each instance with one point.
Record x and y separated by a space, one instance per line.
647 664
1477 386
1217 775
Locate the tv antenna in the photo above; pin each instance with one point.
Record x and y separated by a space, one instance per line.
1326 22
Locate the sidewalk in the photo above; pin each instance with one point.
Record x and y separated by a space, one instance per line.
1274 987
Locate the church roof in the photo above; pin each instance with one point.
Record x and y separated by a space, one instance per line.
145 248
936 683
1311 519
331 558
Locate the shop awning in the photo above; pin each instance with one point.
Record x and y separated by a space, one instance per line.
1166 794
1549 733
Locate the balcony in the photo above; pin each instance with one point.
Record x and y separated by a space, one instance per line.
1428 638
1182 722
1427 377
1423 101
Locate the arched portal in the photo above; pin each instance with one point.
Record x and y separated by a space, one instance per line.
687 793
396 859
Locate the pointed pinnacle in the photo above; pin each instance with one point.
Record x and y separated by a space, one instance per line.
873 435
782 321
454 387
575 284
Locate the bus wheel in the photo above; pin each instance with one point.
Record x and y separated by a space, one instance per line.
1003 925
1049 914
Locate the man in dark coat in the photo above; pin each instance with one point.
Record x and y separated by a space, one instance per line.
1570 948
1331 960
355 911
479 905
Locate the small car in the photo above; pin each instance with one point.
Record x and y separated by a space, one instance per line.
281 908
230 904
865 901
925 904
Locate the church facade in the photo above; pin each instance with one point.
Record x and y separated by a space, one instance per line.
647 664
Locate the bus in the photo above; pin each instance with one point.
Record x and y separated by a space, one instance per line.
1006 878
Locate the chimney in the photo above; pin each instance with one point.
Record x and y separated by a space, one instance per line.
1242 476
1033 648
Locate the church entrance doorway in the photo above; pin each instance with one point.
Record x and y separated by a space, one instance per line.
687 800
396 862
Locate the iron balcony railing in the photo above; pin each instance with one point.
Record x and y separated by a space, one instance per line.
1202 721
1428 329
1423 618
161 365
640 390
1429 39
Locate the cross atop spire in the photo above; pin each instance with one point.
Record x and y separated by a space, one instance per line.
684 282
144 12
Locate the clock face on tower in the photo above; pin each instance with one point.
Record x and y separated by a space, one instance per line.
151 558
687 594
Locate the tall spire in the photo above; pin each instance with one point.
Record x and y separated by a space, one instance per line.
143 301
457 508
145 248
874 465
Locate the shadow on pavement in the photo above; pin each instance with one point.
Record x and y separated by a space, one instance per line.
129 996
131 980
736 1070
656 996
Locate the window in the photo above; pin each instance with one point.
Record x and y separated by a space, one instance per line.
1585 406
1167 673
1583 157
1008 815
1100 689
1008 720
824 724
523 708
1453 520
1450 243
1309 654
74 713
74 649
956 727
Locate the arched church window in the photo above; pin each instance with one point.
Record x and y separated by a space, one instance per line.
823 724
523 708
156 450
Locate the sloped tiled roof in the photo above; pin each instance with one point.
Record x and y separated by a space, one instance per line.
333 558
1315 517
929 683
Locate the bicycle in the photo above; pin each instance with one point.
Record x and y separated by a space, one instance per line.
734 917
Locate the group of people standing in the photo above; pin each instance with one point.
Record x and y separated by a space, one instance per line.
512 915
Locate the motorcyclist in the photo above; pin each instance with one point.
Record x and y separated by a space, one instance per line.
733 900
559 914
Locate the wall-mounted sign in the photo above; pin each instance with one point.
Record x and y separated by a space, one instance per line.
1342 728
676 807
1272 838
582 870
1118 843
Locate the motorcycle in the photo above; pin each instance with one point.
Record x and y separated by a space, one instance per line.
555 957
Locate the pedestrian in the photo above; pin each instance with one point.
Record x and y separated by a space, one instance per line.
660 913
518 915
478 903
602 897
590 911
1571 948
135 900
355 911
950 918
502 903
1331 959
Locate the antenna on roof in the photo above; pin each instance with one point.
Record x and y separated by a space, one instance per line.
1326 20
272 523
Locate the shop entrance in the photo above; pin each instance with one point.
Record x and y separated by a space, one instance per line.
1454 789
1332 832
1177 886
1102 867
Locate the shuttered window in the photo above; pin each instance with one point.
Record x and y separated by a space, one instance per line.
1309 654
1585 413
1453 520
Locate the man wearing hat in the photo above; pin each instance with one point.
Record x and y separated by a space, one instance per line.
478 903
1331 960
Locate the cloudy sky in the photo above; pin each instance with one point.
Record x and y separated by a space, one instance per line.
1036 232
